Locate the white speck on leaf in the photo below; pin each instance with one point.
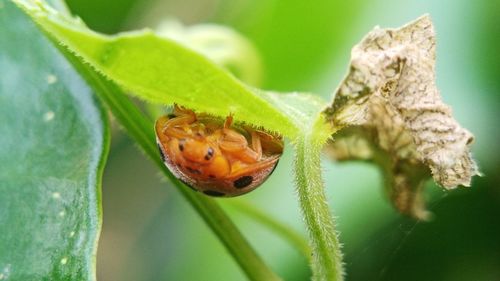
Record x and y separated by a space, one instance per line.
71 234
51 79
64 260
56 195
49 116
4 275
62 213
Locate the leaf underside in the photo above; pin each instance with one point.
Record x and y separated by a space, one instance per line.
162 71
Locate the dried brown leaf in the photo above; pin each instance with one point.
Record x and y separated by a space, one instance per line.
401 123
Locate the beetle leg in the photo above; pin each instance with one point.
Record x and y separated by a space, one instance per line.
176 127
179 110
236 144
228 122
199 130
251 168
233 141
256 145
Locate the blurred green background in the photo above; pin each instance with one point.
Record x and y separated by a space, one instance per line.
150 232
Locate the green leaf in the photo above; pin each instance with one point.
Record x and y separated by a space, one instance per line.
52 149
139 127
162 71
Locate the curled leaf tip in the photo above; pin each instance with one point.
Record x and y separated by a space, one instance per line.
390 96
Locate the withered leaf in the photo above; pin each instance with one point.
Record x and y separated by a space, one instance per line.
396 118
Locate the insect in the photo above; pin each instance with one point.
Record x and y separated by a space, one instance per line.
214 156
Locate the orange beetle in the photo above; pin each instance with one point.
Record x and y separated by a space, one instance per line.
213 156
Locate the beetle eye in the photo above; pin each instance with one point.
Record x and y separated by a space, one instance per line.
210 153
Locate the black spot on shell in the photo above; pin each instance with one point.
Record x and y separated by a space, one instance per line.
214 193
211 176
210 153
161 152
243 182
170 116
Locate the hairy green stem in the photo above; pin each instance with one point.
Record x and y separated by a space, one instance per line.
327 258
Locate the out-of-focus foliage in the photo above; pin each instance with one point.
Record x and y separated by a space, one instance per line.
297 38
150 233
486 42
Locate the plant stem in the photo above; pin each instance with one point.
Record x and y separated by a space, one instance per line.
140 128
327 258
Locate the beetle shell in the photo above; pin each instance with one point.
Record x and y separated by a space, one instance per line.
220 172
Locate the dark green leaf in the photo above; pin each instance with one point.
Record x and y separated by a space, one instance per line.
52 149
